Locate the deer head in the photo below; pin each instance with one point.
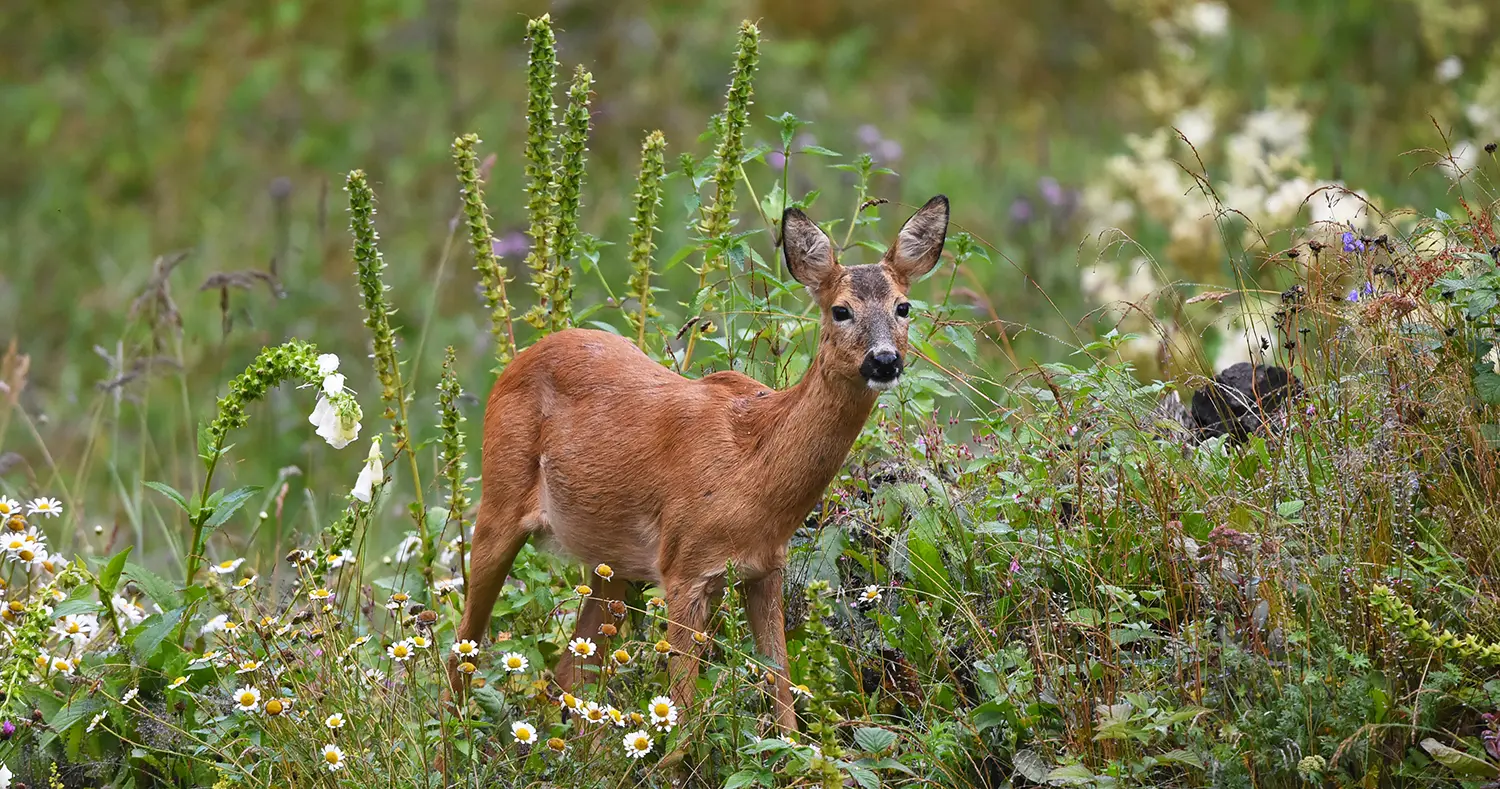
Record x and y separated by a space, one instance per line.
865 313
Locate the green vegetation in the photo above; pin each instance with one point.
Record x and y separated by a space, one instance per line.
1026 575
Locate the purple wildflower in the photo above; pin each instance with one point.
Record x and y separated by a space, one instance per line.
1052 191
868 135
1020 211
1353 243
7 730
1368 291
776 160
512 245
889 151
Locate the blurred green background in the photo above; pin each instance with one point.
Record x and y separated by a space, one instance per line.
136 130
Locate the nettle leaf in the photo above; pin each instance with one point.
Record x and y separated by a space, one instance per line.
171 493
751 776
1030 765
874 740
1070 775
148 636
80 709
226 507
109 577
161 592
1487 386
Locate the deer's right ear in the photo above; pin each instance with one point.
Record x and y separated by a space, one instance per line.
808 250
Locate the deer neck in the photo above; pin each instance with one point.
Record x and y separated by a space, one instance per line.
809 430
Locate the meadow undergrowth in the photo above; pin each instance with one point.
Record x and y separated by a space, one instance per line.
1053 585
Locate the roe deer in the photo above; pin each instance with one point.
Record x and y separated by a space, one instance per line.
614 459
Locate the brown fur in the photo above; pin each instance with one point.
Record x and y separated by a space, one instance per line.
612 458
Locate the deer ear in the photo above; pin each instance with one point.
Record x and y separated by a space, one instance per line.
919 245
808 250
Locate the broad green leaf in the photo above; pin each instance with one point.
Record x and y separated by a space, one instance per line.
109 577
1070 775
227 507
80 709
1030 765
874 740
164 594
750 776
1459 762
146 637
818 150
171 493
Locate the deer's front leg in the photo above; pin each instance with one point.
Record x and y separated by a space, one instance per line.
687 614
763 603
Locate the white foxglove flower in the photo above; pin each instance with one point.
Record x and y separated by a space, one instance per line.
370 474
328 364
333 384
338 429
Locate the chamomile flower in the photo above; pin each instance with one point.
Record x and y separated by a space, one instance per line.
467 668
420 641
275 707
557 745
130 695
802 690
333 756
397 601
593 713
608 630
663 647
359 642
447 586
524 733
247 666
211 656
663 713
63 666
583 590
320 593
868 597
44 506
604 571
700 637
78 627
615 716
514 662
337 560
582 647
637 744
177 683
94 723
8 507
334 721
133 612
465 648
246 583
621 657
570 702
399 651
227 566
246 699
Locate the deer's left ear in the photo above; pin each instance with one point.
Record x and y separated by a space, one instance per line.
920 243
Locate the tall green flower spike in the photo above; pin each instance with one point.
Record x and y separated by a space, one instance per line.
718 217
1398 614
570 170
370 265
541 188
642 243
492 275
451 457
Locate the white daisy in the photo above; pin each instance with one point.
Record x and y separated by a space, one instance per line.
637 744
514 662
582 647
227 566
334 721
465 648
333 756
246 699
663 713
524 732
399 651
44 506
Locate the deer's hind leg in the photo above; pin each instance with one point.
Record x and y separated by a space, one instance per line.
592 613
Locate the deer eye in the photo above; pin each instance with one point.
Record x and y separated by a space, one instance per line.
841 313
903 309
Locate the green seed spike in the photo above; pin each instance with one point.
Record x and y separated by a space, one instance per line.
570 172
642 241
492 275
541 188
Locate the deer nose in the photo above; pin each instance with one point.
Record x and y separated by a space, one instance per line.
881 366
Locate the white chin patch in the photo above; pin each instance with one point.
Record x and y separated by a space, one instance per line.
883 386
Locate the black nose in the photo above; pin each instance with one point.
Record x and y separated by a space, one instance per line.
882 366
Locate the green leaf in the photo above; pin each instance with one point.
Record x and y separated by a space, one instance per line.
109 577
164 594
146 637
1181 756
1288 509
490 701
862 776
750 776
1070 775
81 708
171 493
79 602
1487 386
1030 765
818 150
227 507
1459 762
874 740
